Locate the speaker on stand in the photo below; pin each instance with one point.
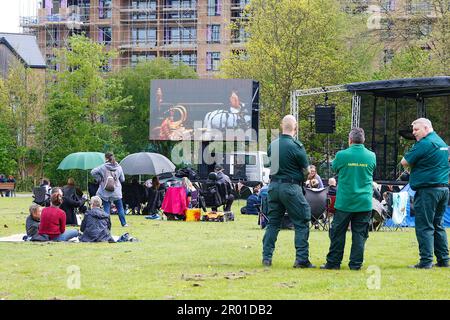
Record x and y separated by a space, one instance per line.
325 117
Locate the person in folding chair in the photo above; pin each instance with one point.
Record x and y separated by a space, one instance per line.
317 199
354 167
429 169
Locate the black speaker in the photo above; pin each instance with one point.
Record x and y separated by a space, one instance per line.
325 118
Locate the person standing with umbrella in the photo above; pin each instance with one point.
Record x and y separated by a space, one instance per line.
110 176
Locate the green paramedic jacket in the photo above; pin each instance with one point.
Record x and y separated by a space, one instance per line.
354 167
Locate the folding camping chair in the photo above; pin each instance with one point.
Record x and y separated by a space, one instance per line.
388 223
41 197
317 199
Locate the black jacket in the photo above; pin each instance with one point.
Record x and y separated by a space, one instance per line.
70 201
96 226
32 227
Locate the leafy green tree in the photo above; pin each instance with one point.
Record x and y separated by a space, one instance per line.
299 44
22 104
81 105
8 162
419 33
135 118
410 62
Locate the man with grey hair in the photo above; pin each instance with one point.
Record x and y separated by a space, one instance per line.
288 161
429 169
354 167
96 224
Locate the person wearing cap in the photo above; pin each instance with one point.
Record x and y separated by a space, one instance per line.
223 178
428 163
288 162
101 174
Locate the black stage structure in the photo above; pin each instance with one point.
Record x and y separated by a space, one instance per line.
385 110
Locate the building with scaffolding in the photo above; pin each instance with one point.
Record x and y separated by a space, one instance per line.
194 32
396 24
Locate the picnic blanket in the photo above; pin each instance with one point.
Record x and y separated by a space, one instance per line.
19 238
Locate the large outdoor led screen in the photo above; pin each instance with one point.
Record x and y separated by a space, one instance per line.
209 110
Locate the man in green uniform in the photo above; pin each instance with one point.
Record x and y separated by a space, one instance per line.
354 167
428 162
288 160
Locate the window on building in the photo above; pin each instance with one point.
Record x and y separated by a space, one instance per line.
105 9
419 7
212 61
189 59
149 15
51 38
143 37
141 57
143 4
213 33
177 35
239 35
387 5
181 3
214 7
239 3
105 35
55 7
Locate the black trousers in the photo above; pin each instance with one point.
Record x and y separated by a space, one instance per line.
228 204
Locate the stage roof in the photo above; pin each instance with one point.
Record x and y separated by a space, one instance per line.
403 88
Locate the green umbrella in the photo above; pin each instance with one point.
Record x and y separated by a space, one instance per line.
83 161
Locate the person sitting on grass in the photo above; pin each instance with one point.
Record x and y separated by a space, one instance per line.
33 220
96 224
53 220
253 202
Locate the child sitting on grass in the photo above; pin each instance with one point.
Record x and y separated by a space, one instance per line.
33 220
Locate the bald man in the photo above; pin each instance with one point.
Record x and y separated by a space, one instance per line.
288 162
427 161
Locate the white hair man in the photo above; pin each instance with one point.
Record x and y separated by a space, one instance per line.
428 163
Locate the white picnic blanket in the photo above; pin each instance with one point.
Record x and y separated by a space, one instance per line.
19 238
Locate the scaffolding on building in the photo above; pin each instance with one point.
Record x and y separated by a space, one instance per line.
137 29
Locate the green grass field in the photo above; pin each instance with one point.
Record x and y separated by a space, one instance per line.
206 260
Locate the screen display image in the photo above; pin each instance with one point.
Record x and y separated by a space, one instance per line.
207 110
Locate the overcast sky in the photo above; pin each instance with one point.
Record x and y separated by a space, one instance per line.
10 10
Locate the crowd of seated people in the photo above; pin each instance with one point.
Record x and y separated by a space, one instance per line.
49 223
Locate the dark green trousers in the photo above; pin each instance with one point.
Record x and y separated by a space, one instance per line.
360 232
288 197
430 205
